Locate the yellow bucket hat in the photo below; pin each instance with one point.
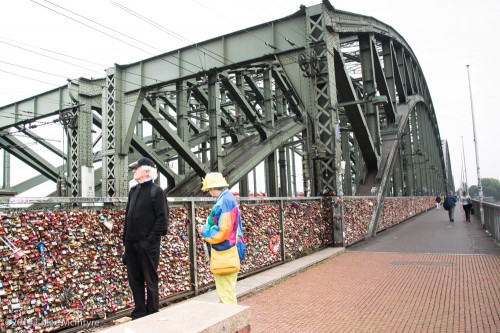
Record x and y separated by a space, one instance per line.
213 180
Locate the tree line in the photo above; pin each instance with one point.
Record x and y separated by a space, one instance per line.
491 188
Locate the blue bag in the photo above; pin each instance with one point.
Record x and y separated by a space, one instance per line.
242 249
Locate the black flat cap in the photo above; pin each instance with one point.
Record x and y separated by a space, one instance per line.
142 161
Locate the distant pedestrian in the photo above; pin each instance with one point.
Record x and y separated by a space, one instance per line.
466 205
438 201
450 201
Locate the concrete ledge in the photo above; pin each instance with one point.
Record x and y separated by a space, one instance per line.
190 316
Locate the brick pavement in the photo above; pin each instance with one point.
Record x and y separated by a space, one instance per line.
384 292
425 275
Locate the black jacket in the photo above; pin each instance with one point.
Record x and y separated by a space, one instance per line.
145 217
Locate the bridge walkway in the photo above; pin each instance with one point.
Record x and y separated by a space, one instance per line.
424 275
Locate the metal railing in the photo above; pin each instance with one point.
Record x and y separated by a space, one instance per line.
491 221
71 268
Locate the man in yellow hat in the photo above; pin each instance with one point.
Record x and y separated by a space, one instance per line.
223 231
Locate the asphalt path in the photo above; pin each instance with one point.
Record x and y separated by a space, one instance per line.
431 232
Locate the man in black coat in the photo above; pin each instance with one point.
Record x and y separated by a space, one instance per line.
146 221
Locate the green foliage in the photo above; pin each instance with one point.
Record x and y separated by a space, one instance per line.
491 188
474 191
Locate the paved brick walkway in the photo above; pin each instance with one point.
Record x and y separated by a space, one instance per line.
384 292
361 291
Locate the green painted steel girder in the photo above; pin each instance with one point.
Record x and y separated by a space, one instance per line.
172 138
240 99
29 156
354 114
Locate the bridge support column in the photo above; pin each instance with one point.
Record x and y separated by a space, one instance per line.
409 173
6 170
415 154
323 100
346 156
114 158
397 176
214 122
283 186
182 122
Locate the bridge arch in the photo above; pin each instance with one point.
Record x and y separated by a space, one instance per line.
333 98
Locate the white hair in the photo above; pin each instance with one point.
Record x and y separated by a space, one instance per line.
152 172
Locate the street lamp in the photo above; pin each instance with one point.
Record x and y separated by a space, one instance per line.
480 187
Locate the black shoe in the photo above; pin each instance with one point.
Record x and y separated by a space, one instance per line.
452 220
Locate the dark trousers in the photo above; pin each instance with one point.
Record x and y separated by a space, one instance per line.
142 265
451 213
467 209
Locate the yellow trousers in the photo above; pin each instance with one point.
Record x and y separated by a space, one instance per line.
225 285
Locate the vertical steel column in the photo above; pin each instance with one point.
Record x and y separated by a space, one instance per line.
240 117
427 143
430 151
155 136
271 175
359 164
324 94
408 161
422 146
268 102
181 105
6 170
73 172
214 122
85 143
397 175
437 160
271 166
283 188
424 140
291 172
114 162
415 151
346 156
290 179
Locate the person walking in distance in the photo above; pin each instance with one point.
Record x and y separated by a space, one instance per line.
146 220
438 201
466 205
450 198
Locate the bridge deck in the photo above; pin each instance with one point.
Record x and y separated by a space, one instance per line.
424 275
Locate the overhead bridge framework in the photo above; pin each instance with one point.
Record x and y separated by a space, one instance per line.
332 99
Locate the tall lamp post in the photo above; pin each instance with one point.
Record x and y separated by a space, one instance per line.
480 187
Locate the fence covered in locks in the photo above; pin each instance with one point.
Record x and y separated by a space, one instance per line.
63 265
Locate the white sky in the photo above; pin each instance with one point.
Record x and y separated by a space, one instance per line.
445 35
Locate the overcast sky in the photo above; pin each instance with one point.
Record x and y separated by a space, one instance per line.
445 35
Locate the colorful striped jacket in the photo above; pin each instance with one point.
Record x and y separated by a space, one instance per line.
223 223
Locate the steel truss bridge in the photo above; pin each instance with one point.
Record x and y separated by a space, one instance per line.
333 98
